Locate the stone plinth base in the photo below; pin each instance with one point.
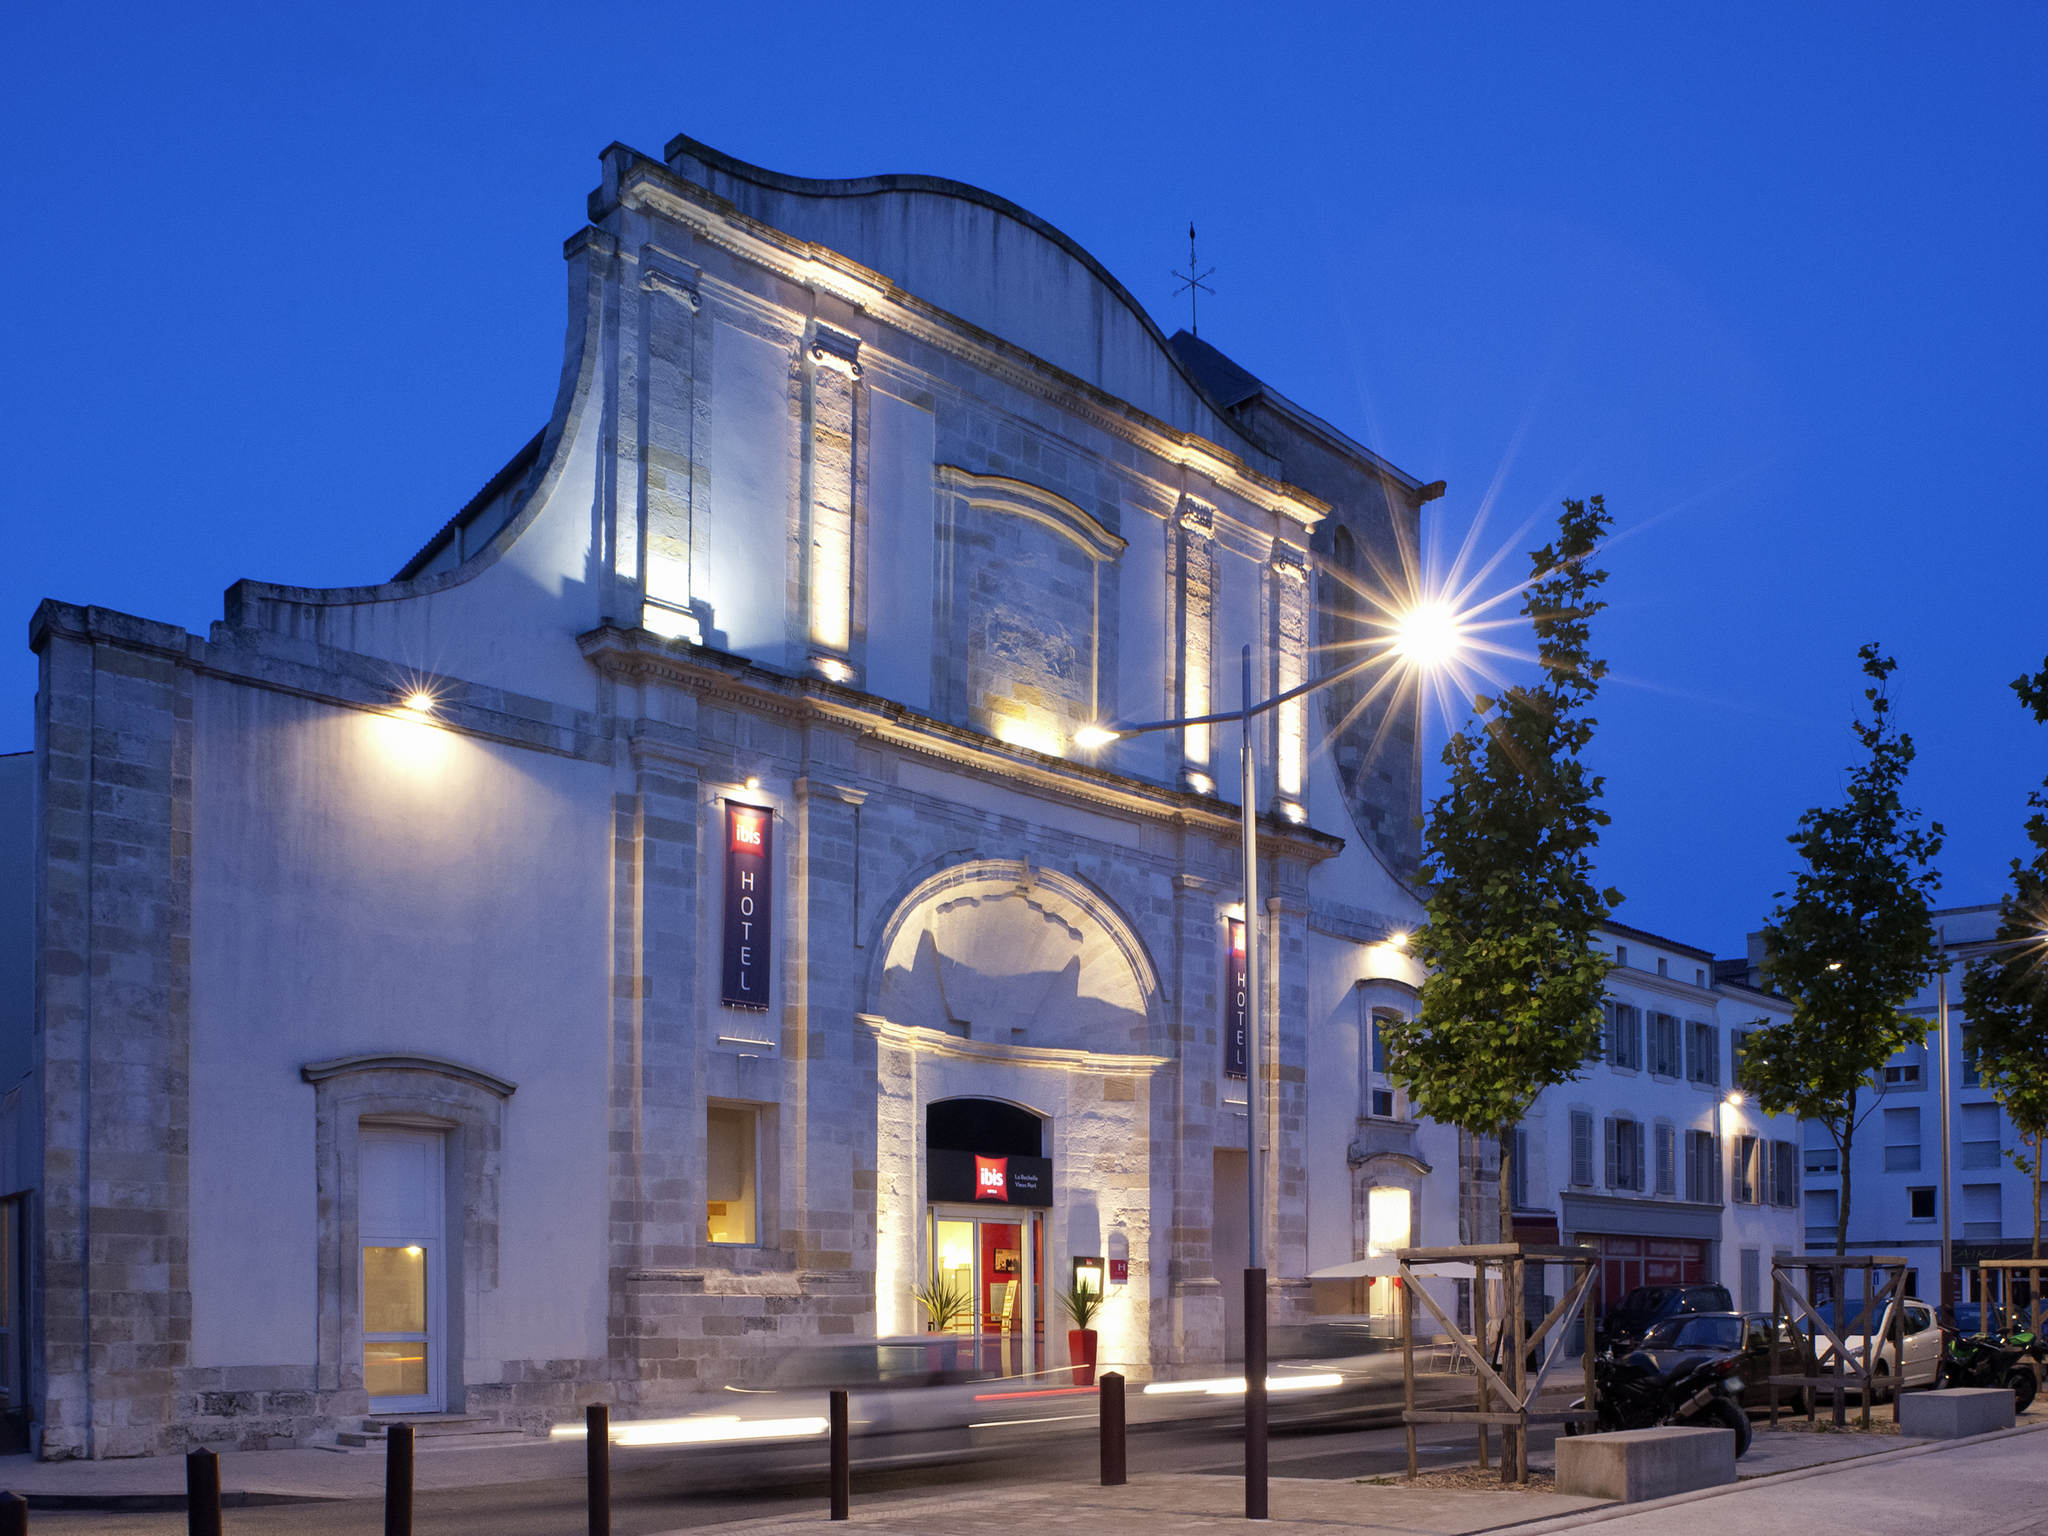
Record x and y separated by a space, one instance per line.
1954 1412
1636 1464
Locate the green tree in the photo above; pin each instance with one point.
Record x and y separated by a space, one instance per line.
1856 941
1512 1002
2006 991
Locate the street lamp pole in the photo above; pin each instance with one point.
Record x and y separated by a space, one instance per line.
1438 633
1255 1507
1948 1252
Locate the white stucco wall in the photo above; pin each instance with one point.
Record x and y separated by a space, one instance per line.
405 889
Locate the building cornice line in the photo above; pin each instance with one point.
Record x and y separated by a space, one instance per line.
936 1042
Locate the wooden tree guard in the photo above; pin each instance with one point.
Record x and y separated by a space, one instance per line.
1516 1390
1788 1294
2009 1271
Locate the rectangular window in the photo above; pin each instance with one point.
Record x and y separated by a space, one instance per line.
1822 1155
1906 1070
1920 1204
1596 1049
1784 1174
1702 1168
1745 1170
1980 1136
1621 954
1383 1103
1902 1140
1664 1057
1971 1077
1624 1153
732 1134
1582 1148
1823 1209
1625 1036
1518 1185
1737 1040
1981 1214
1379 1043
1703 1064
1667 1158
1752 1278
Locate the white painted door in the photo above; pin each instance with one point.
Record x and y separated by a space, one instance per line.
401 1214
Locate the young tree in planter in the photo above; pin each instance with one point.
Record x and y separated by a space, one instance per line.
1854 944
2006 992
1512 1000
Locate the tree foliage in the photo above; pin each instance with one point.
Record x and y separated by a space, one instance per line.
1856 941
2006 991
1512 1000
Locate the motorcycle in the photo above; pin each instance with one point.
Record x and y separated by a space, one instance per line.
1984 1360
1632 1393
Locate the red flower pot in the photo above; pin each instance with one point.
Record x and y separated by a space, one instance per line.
1081 1355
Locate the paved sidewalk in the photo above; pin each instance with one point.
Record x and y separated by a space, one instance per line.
281 1476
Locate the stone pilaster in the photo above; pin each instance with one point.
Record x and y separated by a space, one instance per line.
114 978
831 411
1194 597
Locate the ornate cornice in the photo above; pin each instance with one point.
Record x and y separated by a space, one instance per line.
936 1042
1002 494
400 1061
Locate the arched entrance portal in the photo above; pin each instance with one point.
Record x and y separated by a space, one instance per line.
990 1187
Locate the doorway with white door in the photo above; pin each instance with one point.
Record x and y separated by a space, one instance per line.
402 1223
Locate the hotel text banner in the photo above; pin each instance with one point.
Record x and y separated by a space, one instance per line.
749 903
1236 1013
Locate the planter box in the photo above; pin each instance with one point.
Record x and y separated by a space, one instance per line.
1954 1412
1636 1464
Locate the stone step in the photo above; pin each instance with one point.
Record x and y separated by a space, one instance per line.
431 1431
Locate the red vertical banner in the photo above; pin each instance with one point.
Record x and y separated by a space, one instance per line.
1236 1003
749 903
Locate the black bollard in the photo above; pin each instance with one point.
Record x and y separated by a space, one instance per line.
13 1515
842 1461
398 1481
1255 1394
202 1494
1110 1391
597 1463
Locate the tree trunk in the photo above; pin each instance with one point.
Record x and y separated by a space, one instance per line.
2037 1195
1845 1141
1507 1202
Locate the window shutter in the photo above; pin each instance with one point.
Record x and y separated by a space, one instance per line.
1612 1147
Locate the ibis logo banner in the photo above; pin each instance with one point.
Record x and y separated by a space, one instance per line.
749 904
1236 1003
992 1179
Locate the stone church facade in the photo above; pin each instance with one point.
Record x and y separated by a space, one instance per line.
577 969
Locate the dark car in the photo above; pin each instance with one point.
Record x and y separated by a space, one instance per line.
1632 1317
1697 1335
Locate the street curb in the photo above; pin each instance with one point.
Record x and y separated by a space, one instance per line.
162 1503
1606 1512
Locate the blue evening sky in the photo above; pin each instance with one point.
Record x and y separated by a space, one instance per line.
284 288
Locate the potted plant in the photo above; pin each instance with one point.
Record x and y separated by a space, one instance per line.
1081 1303
945 1300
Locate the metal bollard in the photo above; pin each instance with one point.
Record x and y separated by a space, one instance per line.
1110 1391
1255 1394
13 1515
202 1494
842 1463
597 1463
398 1481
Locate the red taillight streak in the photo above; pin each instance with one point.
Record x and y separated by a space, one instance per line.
997 1397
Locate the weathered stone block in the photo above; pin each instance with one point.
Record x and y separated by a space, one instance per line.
1636 1464
1955 1412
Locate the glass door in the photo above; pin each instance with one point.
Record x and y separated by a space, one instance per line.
400 1217
998 1264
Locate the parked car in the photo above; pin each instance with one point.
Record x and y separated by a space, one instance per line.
1744 1336
1631 1317
1851 1319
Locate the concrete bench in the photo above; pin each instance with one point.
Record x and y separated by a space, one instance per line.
1954 1412
1636 1464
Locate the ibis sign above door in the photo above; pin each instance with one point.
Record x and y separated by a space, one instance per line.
970 1176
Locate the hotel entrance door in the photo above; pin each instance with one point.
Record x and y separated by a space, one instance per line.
999 1263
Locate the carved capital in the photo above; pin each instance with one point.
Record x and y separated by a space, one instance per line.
835 349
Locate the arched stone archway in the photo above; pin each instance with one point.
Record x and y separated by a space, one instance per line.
1001 951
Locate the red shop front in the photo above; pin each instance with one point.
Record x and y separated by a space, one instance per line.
1627 1262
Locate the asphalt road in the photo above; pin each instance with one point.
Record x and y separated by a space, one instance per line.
650 1499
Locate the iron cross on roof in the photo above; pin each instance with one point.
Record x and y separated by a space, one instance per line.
1192 284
